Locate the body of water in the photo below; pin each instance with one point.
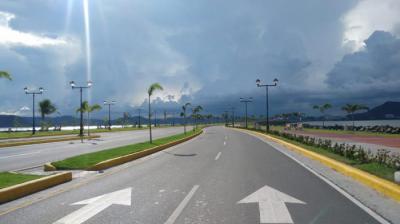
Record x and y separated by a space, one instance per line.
392 123
64 128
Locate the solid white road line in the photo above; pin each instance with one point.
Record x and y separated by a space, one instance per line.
218 155
373 214
181 206
23 154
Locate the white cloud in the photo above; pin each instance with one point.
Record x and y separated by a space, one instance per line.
366 17
11 37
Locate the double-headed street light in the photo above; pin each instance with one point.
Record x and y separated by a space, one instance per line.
109 103
33 93
73 85
246 101
258 82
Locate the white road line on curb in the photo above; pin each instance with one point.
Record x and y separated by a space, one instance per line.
373 214
181 206
218 155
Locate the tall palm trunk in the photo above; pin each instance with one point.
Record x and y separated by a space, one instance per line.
88 124
184 122
151 137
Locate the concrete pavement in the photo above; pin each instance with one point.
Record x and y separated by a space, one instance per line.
223 176
20 157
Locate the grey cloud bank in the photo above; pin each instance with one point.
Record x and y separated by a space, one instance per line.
206 52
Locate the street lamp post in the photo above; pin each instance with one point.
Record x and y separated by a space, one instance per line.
233 116
226 117
73 85
258 82
109 103
246 101
139 117
33 93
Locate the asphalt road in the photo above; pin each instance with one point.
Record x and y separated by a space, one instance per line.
210 179
20 157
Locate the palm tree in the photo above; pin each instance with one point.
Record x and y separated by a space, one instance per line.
183 114
6 75
153 87
352 108
46 107
86 108
196 116
322 108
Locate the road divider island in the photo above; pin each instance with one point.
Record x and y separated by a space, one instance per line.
15 185
112 157
18 185
375 171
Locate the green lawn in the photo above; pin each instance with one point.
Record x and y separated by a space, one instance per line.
85 161
357 133
9 179
372 168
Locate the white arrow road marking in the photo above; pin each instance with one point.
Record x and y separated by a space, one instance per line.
96 205
271 203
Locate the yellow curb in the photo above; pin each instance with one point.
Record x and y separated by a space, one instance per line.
133 156
45 141
383 186
30 187
49 167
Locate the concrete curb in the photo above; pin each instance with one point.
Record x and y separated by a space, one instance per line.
2 145
133 156
383 186
49 167
30 187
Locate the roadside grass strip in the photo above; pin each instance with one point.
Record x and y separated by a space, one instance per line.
17 185
345 132
86 161
8 179
372 174
373 168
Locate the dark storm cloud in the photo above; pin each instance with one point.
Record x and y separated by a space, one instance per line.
205 52
371 72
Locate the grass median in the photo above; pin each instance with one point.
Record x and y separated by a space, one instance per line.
85 161
8 179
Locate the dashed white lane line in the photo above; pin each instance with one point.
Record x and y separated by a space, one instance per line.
181 206
218 155
224 142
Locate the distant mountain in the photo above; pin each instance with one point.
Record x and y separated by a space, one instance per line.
388 110
7 121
